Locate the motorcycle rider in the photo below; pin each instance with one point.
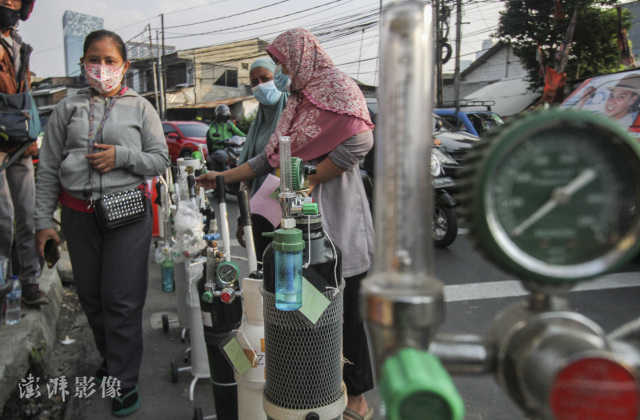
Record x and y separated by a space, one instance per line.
221 129
17 185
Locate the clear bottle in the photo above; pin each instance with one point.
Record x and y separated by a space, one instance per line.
288 246
12 314
167 275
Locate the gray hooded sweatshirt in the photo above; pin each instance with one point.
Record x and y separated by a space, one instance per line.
133 126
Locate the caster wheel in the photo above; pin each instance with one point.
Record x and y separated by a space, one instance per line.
197 413
165 323
173 370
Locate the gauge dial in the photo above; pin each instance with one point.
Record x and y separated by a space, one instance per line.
554 196
227 272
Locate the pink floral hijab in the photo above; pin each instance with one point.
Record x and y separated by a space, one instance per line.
325 108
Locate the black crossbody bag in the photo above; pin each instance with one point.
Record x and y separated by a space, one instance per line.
119 208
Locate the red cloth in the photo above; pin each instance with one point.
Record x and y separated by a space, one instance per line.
73 203
553 86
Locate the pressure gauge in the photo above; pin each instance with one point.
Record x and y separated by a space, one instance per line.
553 196
227 272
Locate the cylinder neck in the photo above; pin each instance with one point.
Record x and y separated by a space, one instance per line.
311 222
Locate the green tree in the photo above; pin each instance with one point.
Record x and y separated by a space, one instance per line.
527 24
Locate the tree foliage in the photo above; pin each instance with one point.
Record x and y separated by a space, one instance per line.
527 24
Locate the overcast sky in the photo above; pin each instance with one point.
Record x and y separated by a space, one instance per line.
185 22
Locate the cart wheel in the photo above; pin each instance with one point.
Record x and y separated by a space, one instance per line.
173 370
165 323
197 413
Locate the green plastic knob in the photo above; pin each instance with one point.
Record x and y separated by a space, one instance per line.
207 297
196 155
413 383
297 174
310 209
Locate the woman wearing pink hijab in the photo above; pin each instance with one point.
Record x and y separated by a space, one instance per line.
327 120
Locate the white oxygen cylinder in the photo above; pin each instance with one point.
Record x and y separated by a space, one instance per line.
251 339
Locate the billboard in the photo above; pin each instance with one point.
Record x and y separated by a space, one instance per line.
615 95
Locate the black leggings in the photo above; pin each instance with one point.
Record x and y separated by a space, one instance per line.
357 373
110 269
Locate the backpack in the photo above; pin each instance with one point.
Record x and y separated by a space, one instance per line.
19 124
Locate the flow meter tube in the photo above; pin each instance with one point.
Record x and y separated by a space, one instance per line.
402 301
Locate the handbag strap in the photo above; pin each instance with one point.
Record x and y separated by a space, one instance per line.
88 190
12 157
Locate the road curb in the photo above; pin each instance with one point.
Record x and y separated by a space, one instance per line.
36 330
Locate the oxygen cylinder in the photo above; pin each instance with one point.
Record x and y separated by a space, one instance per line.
292 388
219 319
251 339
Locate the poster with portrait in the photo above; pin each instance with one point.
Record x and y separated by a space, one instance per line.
615 95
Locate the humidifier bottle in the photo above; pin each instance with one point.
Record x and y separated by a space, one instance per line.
288 247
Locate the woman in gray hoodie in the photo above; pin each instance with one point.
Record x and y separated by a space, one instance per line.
103 140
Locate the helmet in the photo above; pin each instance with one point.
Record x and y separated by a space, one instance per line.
26 9
223 110
223 113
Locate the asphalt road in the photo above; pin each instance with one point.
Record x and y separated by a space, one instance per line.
475 292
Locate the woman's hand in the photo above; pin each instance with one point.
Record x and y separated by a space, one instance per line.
208 180
42 236
105 160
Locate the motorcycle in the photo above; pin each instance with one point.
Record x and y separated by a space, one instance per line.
232 148
445 221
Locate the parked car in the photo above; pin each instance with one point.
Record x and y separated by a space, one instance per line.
453 141
456 143
475 122
184 137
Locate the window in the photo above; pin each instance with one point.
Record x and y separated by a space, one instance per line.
168 128
229 78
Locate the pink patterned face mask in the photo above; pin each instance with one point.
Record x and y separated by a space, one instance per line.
104 79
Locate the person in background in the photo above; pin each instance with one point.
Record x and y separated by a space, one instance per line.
221 129
17 185
272 103
327 119
103 140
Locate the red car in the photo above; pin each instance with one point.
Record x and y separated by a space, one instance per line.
184 137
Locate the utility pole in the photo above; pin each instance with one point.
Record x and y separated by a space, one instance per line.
456 79
163 74
439 96
153 64
160 81
360 56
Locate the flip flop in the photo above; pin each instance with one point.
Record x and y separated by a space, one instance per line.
349 414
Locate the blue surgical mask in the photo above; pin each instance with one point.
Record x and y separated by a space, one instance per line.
282 81
266 93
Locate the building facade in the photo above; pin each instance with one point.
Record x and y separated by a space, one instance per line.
75 27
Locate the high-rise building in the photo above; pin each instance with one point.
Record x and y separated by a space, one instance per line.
76 26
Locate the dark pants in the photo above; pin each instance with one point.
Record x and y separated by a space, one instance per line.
356 373
110 270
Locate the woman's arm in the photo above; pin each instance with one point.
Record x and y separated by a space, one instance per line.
153 160
344 157
238 174
48 180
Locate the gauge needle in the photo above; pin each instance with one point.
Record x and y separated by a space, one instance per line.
559 195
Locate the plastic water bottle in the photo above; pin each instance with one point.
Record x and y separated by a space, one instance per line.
12 315
167 275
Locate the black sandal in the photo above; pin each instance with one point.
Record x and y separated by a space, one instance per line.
129 403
